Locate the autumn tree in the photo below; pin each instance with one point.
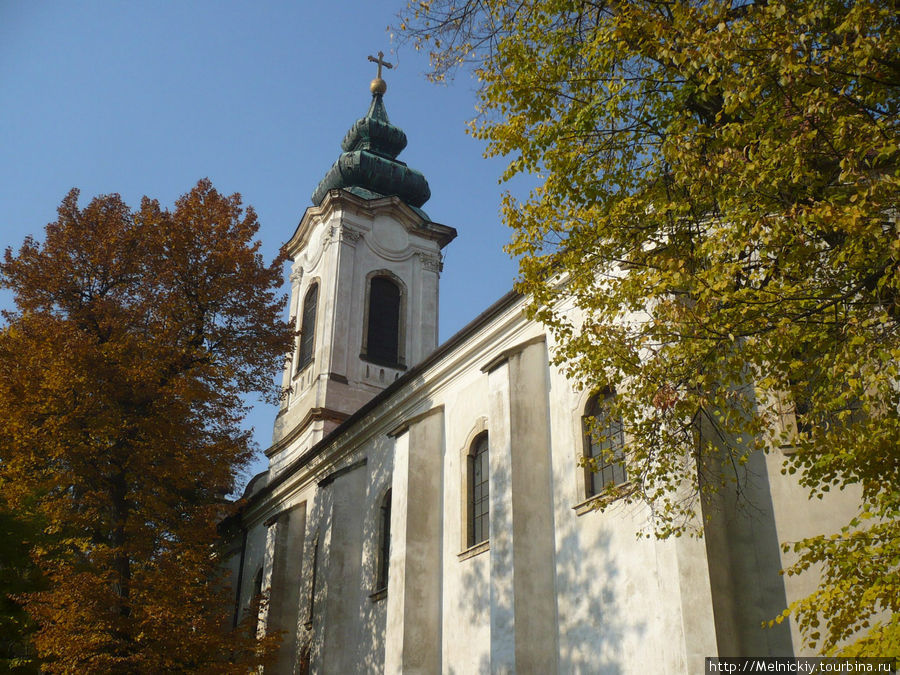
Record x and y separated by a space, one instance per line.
134 336
717 189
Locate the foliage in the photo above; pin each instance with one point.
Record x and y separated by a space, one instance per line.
717 198
121 370
18 575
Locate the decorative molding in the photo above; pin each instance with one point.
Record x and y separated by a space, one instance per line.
599 501
351 236
431 262
480 426
330 478
340 234
333 233
381 364
337 200
297 275
415 419
506 354
274 519
315 245
472 551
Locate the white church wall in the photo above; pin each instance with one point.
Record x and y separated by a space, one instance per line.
414 627
283 456
618 593
231 571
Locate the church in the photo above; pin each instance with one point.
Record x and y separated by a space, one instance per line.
426 508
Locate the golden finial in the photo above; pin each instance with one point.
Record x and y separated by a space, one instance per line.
379 86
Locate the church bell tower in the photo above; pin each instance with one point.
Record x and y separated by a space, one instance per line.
364 283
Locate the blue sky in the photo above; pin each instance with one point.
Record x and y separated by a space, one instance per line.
146 98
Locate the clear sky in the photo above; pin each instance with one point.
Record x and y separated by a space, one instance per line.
146 98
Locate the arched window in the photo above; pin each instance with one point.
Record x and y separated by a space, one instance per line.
383 330
384 543
604 442
478 491
308 328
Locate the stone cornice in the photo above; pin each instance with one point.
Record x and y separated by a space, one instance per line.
338 201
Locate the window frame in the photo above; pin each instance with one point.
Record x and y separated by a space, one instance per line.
307 338
383 554
365 352
478 511
615 441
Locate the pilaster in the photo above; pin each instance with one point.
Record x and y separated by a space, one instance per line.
413 632
503 600
343 570
284 604
523 594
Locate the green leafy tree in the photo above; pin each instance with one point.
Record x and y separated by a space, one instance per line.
717 199
122 367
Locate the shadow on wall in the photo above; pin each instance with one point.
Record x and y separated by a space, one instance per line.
595 622
373 604
473 607
745 566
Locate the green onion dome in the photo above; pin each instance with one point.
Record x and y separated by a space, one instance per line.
369 167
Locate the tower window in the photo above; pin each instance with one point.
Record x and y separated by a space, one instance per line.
604 442
308 328
383 330
479 492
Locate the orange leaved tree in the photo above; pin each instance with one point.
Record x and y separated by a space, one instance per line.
135 334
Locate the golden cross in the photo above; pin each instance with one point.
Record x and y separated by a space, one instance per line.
381 62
